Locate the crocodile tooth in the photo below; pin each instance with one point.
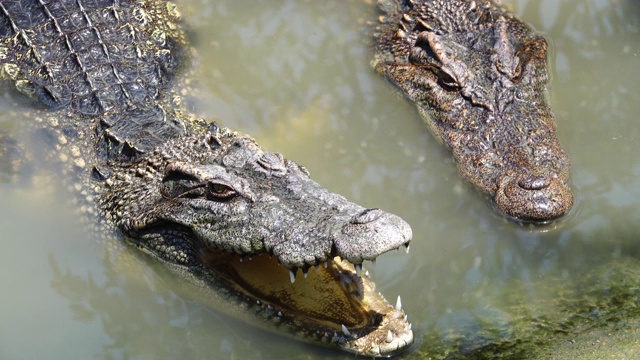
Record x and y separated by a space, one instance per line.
358 269
424 24
403 26
399 304
345 331
305 272
366 273
326 264
389 336
408 328
279 313
405 318
408 247
292 276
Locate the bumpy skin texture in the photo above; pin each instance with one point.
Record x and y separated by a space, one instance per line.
92 55
195 197
231 195
478 77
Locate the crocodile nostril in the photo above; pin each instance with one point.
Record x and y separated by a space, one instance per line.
534 183
367 216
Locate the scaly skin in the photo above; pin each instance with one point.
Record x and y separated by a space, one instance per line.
478 77
204 203
195 197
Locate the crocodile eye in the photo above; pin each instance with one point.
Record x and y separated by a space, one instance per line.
516 74
220 192
447 82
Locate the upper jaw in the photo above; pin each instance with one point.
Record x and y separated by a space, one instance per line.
369 234
346 237
318 225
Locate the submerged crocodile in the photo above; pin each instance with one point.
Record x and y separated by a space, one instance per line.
196 197
478 77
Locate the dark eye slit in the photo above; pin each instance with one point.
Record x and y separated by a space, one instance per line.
447 82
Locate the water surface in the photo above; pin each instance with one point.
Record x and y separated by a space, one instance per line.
295 75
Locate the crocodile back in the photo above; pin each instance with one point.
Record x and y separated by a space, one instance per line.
92 55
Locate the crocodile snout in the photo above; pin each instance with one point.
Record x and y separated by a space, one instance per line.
370 233
535 198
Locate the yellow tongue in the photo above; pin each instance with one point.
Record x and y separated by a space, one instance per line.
328 297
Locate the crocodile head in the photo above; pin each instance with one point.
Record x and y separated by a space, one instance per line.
253 227
479 80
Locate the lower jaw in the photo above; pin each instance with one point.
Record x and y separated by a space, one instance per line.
331 305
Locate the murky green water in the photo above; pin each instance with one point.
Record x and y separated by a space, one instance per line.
295 75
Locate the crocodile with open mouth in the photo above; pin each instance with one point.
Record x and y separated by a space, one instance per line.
206 201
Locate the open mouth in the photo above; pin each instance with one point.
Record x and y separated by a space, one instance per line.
331 303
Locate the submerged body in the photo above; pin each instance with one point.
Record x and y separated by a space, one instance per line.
478 77
208 202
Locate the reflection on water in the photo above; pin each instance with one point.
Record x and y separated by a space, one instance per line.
296 76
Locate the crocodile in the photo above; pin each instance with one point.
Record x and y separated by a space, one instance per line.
106 81
478 77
